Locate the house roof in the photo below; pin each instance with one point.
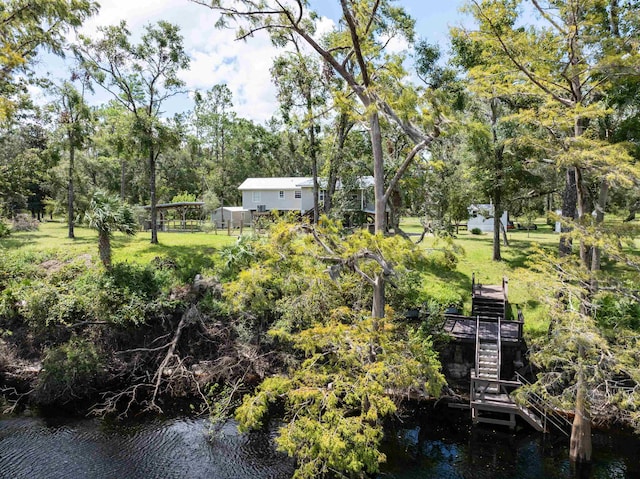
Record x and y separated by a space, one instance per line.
278 183
478 207
179 204
231 209
294 183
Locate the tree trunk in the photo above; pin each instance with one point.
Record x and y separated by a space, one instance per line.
600 207
314 158
152 194
314 173
572 200
342 130
378 171
569 204
222 208
395 204
377 310
505 240
123 177
581 212
580 444
70 193
104 248
220 160
496 226
497 186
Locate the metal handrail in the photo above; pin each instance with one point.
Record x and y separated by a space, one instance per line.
479 388
545 409
483 384
473 283
505 295
486 319
477 368
476 371
499 341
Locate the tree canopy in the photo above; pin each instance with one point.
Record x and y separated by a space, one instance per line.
26 26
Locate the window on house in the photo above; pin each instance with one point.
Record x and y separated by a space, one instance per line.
322 195
298 194
281 195
256 196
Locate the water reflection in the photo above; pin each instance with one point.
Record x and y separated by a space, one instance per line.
442 444
178 448
436 444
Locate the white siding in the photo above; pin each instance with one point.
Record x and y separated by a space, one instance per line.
306 201
271 200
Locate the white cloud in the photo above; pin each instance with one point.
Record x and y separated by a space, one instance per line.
137 13
397 44
216 57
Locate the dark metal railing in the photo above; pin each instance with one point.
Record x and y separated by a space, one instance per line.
545 409
499 341
505 295
477 346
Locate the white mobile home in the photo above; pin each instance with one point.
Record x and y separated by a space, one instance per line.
293 194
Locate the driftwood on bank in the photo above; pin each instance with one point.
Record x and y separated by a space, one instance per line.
171 370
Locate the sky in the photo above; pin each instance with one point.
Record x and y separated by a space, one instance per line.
216 57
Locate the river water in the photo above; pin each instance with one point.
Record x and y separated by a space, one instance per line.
440 445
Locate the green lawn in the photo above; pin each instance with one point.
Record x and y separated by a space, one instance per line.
523 282
187 249
194 252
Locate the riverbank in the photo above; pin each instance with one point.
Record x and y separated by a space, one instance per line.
264 319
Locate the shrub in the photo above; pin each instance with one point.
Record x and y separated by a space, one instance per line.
440 295
4 229
74 291
476 231
45 304
129 293
615 313
23 222
142 280
70 372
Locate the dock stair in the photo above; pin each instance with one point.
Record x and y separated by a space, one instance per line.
490 395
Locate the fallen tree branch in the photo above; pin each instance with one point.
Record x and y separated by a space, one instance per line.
189 316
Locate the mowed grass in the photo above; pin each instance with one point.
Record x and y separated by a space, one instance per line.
195 252
191 251
525 284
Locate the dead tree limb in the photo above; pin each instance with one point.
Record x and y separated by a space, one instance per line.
189 316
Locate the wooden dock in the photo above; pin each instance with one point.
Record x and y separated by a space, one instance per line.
463 328
493 332
491 402
490 329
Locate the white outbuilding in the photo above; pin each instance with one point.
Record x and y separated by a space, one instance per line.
236 214
481 217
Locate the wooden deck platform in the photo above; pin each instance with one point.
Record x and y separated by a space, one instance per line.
463 328
489 291
493 397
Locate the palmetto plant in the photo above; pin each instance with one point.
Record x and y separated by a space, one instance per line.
108 214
